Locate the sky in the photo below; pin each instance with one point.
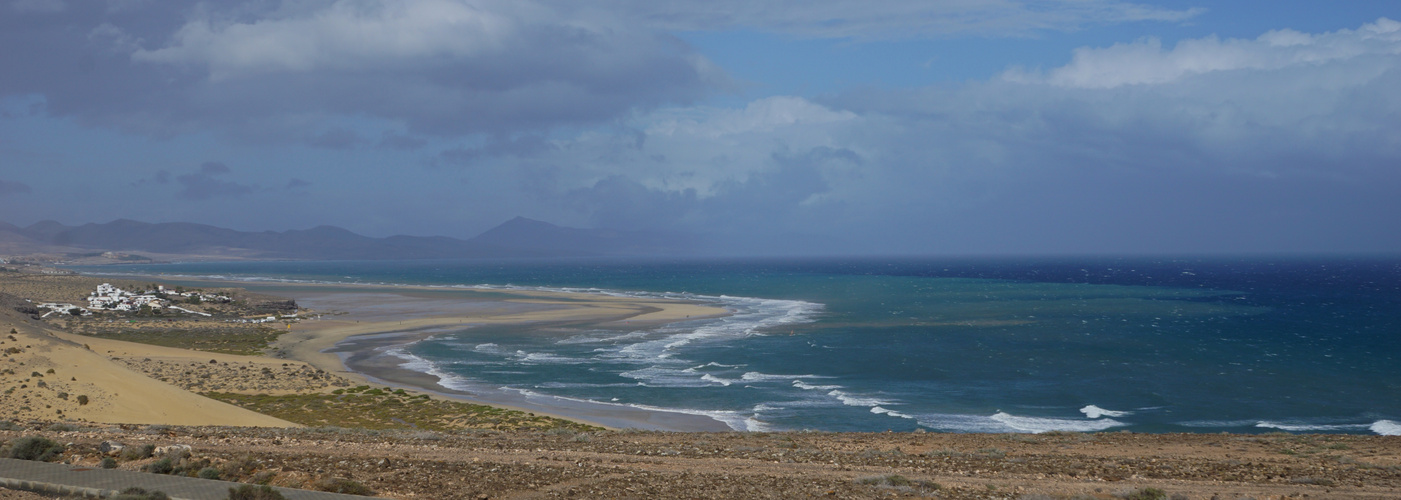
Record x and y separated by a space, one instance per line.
948 127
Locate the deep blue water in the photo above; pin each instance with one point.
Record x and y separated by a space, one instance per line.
968 345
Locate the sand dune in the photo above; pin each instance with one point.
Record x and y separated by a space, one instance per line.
114 393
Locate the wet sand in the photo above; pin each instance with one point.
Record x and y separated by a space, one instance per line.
365 354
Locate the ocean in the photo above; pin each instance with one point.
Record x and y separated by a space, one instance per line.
1242 345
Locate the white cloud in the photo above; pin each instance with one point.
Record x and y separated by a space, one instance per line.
295 70
1254 160
762 115
346 35
1147 63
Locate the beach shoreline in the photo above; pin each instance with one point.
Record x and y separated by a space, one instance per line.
350 328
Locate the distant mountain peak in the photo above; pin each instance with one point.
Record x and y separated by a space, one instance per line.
520 221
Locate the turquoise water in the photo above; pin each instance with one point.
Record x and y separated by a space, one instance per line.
960 345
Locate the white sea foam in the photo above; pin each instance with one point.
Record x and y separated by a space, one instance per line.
884 411
580 385
540 358
1386 427
658 376
1308 427
1037 425
661 348
854 400
764 377
586 339
717 380
735 420
488 348
1005 422
445 378
753 424
810 387
1093 411
749 316
1218 423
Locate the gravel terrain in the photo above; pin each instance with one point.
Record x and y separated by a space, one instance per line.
622 464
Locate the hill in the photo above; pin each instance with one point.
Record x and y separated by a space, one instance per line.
518 237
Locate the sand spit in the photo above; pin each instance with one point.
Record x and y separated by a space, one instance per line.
300 363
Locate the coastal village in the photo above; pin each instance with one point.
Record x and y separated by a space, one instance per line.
157 300
110 298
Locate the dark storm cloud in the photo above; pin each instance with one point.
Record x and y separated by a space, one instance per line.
161 177
336 138
39 6
213 168
264 71
298 185
886 19
204 185
393 140
495 147
8 188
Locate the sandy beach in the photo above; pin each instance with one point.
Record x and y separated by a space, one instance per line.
349 327
336 342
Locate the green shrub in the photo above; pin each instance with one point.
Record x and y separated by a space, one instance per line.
250 492
138 452
240 467
898 481
108 463
82 399
341 485
162 466
135 493
209 473
1147 494
35 448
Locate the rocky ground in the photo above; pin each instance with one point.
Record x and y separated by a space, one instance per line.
233 376
622 464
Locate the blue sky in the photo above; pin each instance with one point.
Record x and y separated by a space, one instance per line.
955 127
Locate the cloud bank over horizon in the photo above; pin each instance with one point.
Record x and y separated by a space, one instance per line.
447 117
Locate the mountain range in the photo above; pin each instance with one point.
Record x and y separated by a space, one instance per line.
518 237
